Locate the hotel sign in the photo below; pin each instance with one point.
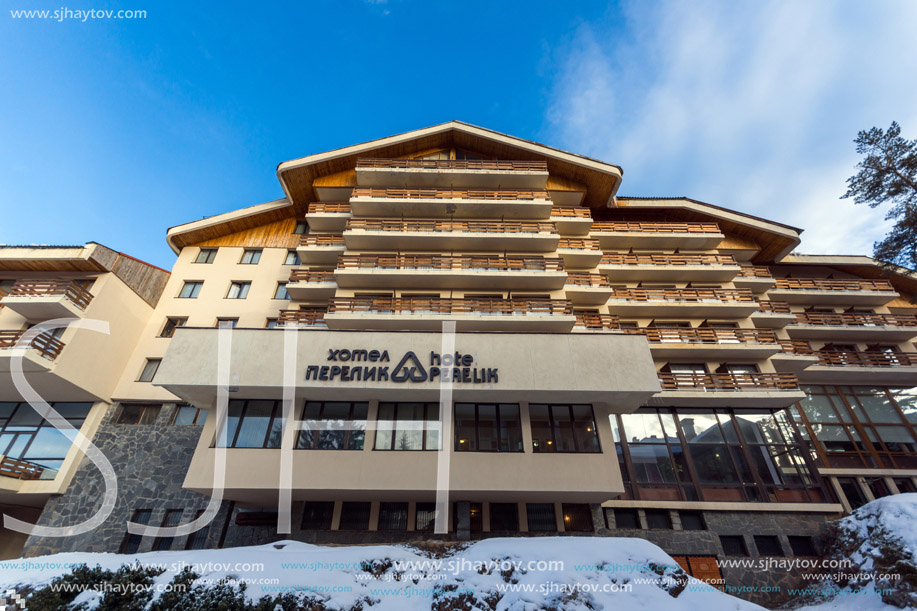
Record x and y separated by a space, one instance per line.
457 368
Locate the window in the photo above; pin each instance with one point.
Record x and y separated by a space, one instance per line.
131 542
425 517
138 413
393 516
191 289
238 290
733 545
292 258
852 491
300 228
563 428
541 517
317 515
26 436
251 424
188 415
281 291
227 323
408 426
692 520
198 539
504 517
172 323
149 370
206 255
355 516
333 425
251 256
171 519
768 545
487 427
577 517
271 323
658 519
626 518
802 546
475 517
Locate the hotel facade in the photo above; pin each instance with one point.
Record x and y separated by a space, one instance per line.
462 319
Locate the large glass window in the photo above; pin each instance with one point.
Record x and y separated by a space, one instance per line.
333 425
563 428
25 435
488 427
408 426
252 424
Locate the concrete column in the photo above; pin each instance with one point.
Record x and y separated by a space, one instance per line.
485 517
336 516
641 517
412 515
559 517
374 516
523 518
463 520
598 519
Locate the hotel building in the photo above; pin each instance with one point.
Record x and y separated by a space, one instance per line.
653 367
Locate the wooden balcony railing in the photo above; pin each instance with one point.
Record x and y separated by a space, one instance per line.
754 271
329 207
19 469
820 284
693 295
572 211
704 335
796 346
854 319
45 344
312 275
631 259
448 226
776 307
307 317
454 164
867 359
594 320
447 262
579 244
728 381
633 226
321 240
491 194
450 306
70 289
587 279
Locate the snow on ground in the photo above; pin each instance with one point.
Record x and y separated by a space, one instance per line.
596 573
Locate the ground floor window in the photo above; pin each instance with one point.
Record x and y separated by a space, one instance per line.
393 516
577 517
425 517
504 517
541 517
171 519
355 516
198 539
317 515
131 542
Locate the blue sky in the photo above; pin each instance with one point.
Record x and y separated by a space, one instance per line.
113 130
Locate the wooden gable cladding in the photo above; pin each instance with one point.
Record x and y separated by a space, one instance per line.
207 232
278 234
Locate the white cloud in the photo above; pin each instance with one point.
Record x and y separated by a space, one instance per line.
752 106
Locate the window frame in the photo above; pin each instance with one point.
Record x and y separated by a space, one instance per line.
145 408
394 431
146 365
252 254
349 433
208 259
554 429
245 287
477 427
281 292
197 286
177 322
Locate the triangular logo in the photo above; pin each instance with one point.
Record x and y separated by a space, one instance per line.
409 368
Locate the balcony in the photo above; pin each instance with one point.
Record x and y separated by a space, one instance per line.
304 317
594 321
587 289
622 235
546 315
23 470
853 326
320 249
579 252
840 292
492 174
794 356
702 342
38 354
772 315
450 272
755 278
39 300
455 203
728 389
311 285
684 268
649 303
375 234
875 368
572 220
328 216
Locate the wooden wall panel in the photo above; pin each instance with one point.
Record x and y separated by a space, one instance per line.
278 234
